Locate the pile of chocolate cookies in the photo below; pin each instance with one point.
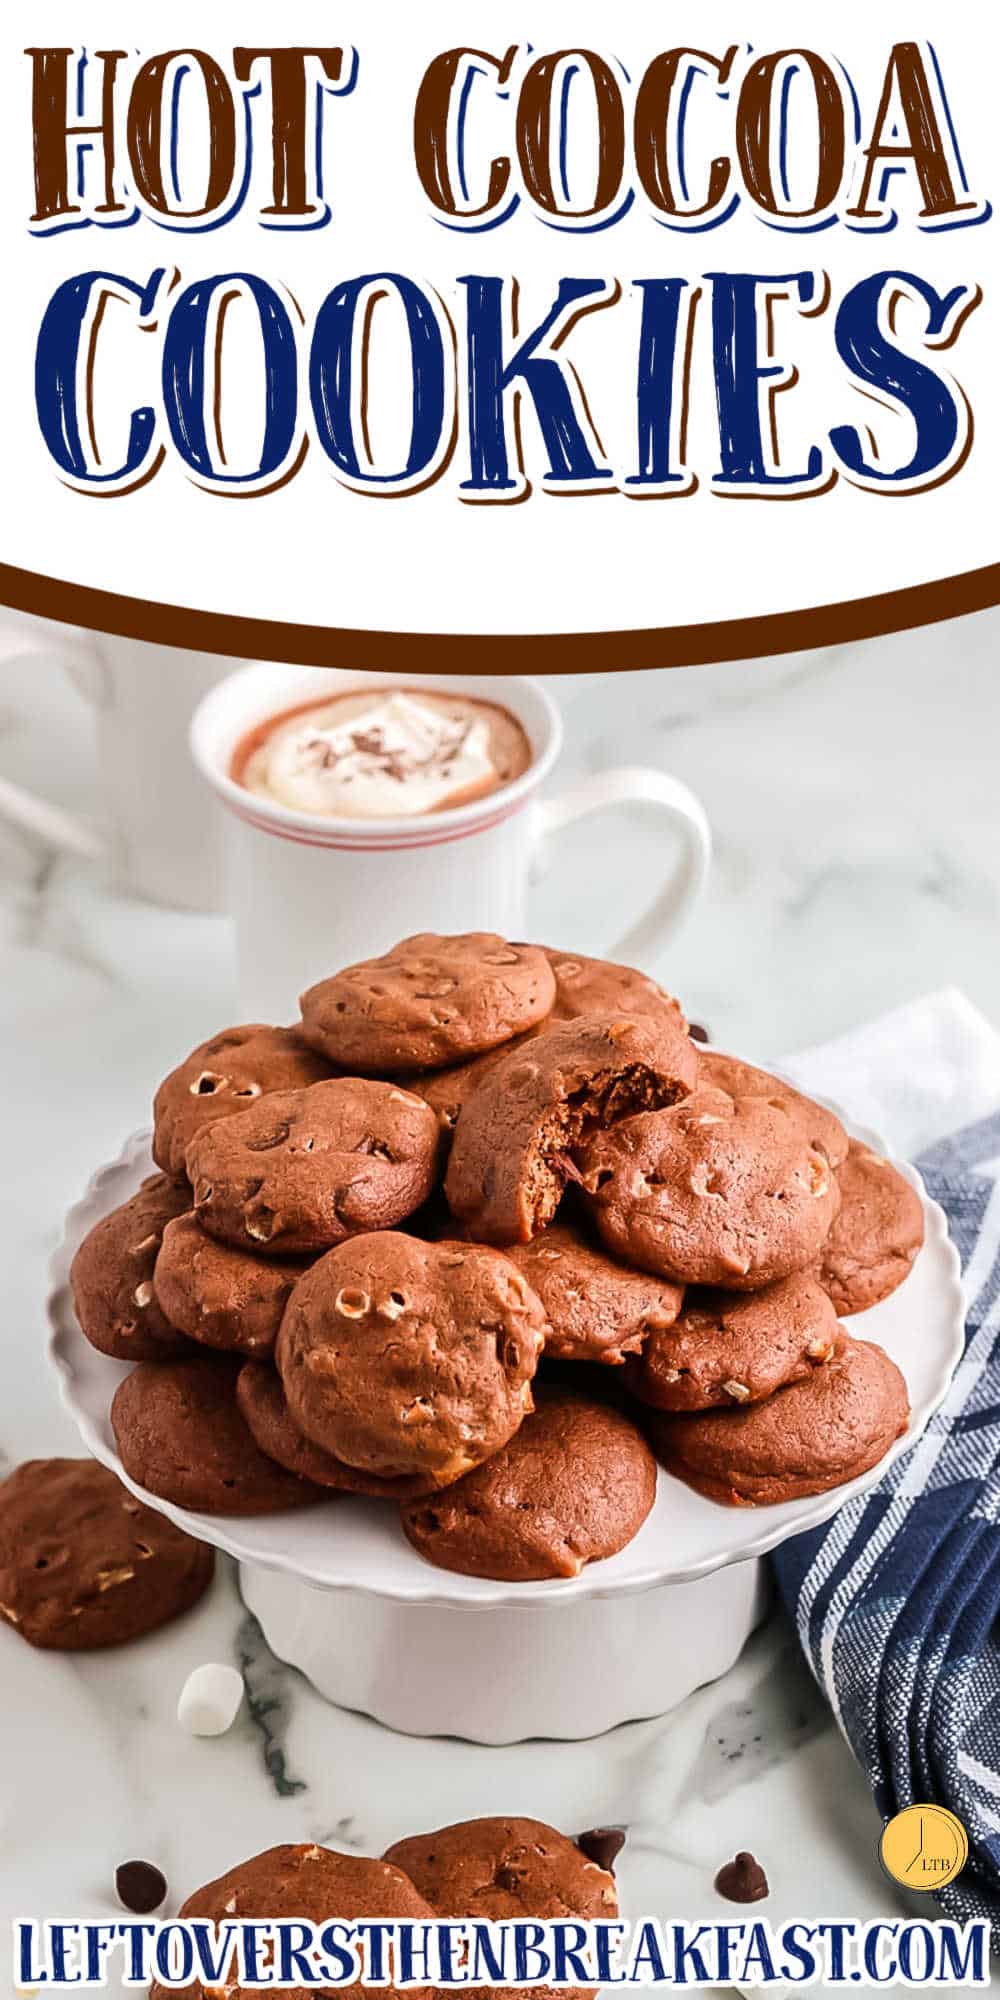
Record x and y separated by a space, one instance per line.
486 1234
486 1869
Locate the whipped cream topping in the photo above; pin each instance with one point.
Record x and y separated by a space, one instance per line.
377 757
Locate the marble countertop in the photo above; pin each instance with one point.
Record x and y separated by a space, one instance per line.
853 799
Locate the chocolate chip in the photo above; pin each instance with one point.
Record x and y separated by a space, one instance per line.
141 1887
602 1844
742 1880
698 1033
506 1878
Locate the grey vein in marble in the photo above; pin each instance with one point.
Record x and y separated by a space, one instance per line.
265 1680
744 1738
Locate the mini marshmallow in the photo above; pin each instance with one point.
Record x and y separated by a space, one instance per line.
210 1700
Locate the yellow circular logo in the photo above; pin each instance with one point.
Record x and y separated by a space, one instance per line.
924 1847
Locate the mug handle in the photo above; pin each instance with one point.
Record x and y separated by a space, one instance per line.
637 784
23 810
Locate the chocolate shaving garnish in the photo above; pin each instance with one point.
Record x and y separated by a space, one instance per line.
602 1844
742 1880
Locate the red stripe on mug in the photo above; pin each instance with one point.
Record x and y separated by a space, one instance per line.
378 843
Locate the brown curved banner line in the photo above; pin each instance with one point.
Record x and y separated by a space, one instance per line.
558 653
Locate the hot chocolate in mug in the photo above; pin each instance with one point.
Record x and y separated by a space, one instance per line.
156 831
310 891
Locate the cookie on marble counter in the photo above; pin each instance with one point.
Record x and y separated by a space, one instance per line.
220 1296
429 1002
180 1436
597 1309
737 1347
111 1276
877 1236
225 1075
304 1169
410 1359
518 1135
740 1079
573 1486
817 1434
492 1869
263 1404
83 1564
313 1885
717 1190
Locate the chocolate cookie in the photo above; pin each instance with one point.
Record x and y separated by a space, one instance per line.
223 1297
573 1486
410 1359
111 1276
313 1885
585 988
596 989
447 1091
304 1169
740 1079
597 1310
181 1436
817 1434
875 1239
225 1075
262 1401
83 1564
737 1347
517 1137
493 1869
716 1191
429 1002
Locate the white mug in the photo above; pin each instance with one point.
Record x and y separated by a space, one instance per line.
157 831
310 894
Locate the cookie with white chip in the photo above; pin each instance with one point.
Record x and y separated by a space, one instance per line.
741 1079
411 1359
597 1309
573 1486
737 1347
429 1002
224 1075
303 1169
308 1884
496 1869
260 1395
717 1191
596 988
219 1295
819 1433
112 1275
83 1564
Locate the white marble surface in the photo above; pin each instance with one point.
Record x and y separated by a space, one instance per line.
853 796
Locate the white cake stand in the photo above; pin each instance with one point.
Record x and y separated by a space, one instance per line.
341 1595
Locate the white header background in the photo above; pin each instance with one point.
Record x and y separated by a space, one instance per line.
318 553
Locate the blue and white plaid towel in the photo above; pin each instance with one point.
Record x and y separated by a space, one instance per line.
897 1599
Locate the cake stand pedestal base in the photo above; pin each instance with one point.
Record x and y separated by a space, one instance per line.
565 1670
